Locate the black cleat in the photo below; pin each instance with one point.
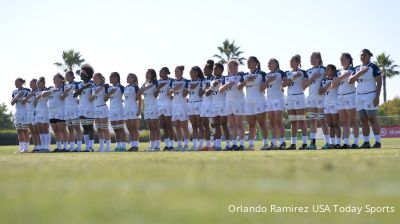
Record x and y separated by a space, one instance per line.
338 146
345 146
57 150
365 145
234 148
166 148
241 148
354 146
303 147
282 146
377 145
292 147
133 149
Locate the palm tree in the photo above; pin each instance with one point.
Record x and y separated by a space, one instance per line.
388 68
71 59
229 51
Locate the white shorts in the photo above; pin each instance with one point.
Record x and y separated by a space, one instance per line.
101 112
150 112
30 118
218 109
275 104
180 112
71 113
86 112
330 109
164 109
20 118
255 108
346 102
130 114
194 108
295 102
235 108
116 114
206 109
41 117
315 102
365 101
56 113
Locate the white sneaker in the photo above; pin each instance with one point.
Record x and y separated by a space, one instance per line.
107 150
100 150
265 147
149 149
250 148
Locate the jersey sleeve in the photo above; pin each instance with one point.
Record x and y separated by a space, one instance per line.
121 88
242 74
186 83
357 68
375 70
136 88
305 74
263 75
353 70
283 74
106 87
76 86
223 80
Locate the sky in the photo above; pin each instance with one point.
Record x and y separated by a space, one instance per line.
132 36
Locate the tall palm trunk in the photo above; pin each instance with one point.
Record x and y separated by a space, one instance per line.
384 87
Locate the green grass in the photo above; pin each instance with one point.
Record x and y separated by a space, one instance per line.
196 187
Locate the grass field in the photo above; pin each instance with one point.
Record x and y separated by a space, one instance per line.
197 187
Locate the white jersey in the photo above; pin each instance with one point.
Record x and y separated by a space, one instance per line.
42 102
205 84
217 96
234 94
116 101
296 86
19 107
331 94
70 100
101 90
344 86
163 93
55 102
178 94
194 93
366 82
130 94
30 104
148 95
84 97
274 89
313 89
253 92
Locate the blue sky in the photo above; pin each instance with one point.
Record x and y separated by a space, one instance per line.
132 36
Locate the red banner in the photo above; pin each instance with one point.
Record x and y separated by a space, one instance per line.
390 132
